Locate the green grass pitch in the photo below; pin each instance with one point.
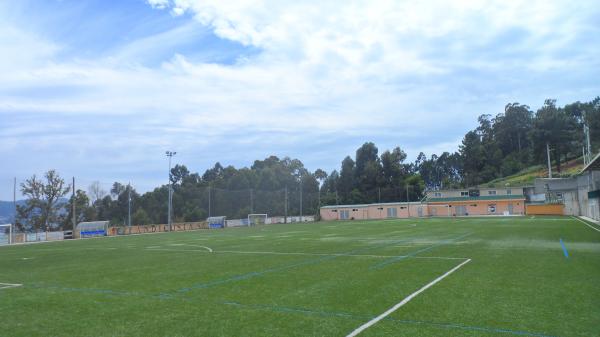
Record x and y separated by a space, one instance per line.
319 279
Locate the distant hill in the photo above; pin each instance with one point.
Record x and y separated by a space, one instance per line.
7 210
527 176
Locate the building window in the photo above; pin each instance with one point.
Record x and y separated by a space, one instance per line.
464 193
437 194
508 192
492 192
355 210
335 210
344 214
392 212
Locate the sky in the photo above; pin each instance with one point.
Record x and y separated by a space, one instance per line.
100 89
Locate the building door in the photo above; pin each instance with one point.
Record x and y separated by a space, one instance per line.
510 208
461 210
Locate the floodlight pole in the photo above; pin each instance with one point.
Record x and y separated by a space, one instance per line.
170 154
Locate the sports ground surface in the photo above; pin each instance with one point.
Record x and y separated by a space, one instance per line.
501 276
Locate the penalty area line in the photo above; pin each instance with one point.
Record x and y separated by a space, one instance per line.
404 301
9 285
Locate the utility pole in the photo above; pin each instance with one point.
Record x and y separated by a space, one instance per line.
587 155
74 218
379 194
129 206
300 199
170 154
285 206
549 164
251 201
407 201
15 200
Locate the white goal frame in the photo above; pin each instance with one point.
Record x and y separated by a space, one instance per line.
436 207
10 231
250 223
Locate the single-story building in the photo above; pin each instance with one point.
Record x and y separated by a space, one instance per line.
474 201
374 211
477 201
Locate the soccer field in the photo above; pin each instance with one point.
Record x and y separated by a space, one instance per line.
495 276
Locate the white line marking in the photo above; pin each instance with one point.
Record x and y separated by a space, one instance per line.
182 250
404 301
9 285
587 224
307 254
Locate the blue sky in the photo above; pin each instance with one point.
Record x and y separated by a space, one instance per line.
100 89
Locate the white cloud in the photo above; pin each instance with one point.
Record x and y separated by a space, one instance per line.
397 72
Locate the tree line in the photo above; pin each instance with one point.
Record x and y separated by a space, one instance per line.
499 146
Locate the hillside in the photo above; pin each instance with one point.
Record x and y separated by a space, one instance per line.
527 176
7 210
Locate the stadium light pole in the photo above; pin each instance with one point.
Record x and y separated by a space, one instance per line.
170 154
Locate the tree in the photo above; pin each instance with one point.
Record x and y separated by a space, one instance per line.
554 127
178 174
43 202
346 179
95 192
83 210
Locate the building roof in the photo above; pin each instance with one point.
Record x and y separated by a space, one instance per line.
485 197
477 188
376 204
593 165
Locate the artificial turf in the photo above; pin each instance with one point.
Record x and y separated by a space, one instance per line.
312 279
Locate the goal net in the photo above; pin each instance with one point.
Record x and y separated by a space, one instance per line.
257 219
439 210
6 234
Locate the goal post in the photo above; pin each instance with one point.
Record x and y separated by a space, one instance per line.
439 210
257 219
6 234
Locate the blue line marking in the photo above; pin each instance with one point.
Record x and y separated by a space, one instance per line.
564 248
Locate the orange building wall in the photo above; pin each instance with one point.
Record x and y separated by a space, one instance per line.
376 211
554 209
481 207
379 211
